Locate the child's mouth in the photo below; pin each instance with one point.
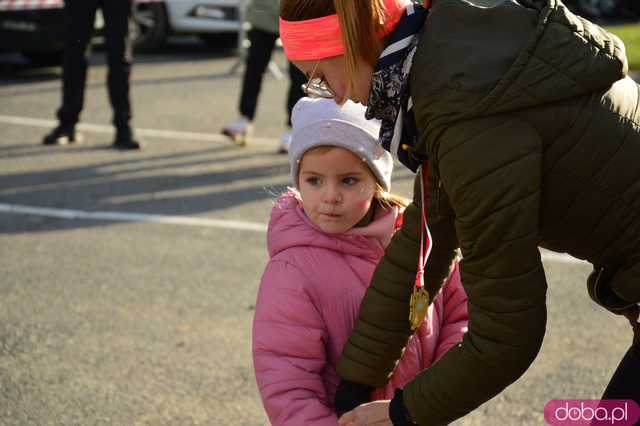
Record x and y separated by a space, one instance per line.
331 215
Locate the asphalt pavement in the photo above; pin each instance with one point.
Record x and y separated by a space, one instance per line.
128 279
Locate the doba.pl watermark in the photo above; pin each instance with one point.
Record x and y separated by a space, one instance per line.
597 412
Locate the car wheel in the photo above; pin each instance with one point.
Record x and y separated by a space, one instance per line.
151 25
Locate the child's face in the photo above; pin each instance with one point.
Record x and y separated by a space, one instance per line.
336 187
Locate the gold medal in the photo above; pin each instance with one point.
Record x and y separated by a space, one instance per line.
418 306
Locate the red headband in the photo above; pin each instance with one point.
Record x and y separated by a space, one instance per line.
321 38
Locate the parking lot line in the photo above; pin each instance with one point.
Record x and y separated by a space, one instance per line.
152 133
132 217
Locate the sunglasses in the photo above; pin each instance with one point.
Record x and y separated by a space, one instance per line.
316 87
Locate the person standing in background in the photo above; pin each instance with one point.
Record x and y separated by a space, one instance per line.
80 16
263 17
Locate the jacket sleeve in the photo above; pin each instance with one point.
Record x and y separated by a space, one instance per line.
289 354
382 328
491 169
456 316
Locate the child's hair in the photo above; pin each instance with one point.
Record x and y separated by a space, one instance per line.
360 20
384 198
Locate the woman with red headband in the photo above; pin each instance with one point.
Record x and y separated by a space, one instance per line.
527 130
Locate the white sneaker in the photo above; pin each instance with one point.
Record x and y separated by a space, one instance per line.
239 131
285 142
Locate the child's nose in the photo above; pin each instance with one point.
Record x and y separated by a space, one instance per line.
333 195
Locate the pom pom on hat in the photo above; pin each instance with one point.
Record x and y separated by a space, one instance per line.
322 122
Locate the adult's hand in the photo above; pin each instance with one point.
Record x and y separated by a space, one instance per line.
374 413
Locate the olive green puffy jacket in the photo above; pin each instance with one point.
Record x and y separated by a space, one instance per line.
532 131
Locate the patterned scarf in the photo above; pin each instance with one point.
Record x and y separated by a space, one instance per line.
389 99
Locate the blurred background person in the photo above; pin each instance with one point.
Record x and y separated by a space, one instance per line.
80 16
263 17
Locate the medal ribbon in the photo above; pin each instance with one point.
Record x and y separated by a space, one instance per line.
425 238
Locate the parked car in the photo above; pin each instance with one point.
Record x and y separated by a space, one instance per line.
35 28
216 22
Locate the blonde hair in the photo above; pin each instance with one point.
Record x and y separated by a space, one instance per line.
384 198
360 20
387 199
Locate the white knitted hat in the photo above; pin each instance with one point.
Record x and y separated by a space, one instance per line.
322 122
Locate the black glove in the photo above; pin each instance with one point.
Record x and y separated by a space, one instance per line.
398 412
350 394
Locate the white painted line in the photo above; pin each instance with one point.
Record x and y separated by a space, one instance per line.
152 133
133 217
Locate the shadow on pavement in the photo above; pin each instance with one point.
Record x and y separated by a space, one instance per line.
18 74
160 184
164 184
180 50
16 70
134 82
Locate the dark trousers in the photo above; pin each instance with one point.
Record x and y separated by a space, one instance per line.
625 383
80 15
258 57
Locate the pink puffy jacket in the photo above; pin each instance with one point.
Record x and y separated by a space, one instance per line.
307 304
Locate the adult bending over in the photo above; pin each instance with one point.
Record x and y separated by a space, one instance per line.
531 129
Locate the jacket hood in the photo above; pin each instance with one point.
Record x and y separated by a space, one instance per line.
290 227
483 57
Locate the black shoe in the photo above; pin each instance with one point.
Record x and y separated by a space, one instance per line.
125 140
62 136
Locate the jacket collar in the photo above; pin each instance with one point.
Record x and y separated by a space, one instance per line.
289 227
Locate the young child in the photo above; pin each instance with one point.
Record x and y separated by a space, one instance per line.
325 239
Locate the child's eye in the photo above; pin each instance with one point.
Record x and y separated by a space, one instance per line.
350 180
313 181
